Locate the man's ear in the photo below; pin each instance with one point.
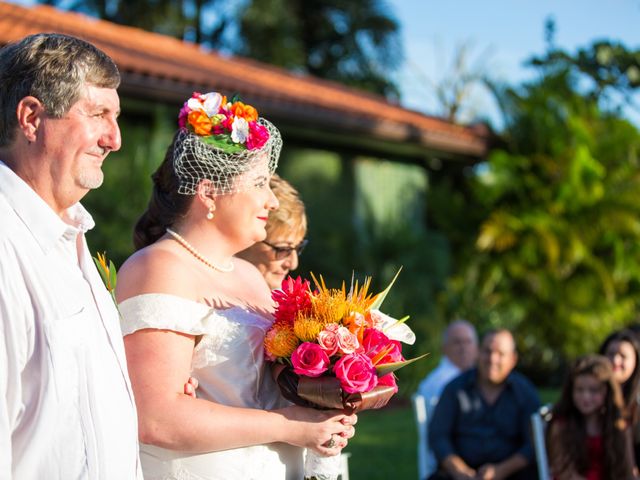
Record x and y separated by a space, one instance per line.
30 112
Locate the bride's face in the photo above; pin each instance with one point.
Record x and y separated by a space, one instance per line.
243 216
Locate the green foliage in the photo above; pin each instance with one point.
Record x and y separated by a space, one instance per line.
184 19
355 42
555 254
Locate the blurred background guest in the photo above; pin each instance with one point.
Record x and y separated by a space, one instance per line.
480 427
622 347
460 352
588 436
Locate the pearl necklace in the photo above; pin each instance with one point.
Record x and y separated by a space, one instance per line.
190 248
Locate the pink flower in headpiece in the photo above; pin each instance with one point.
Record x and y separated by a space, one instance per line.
258 136
182 116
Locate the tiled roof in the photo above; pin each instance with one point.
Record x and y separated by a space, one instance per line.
162 68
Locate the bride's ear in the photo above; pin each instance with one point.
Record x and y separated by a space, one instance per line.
206 194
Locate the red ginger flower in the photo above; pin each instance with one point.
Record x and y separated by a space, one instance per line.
291 298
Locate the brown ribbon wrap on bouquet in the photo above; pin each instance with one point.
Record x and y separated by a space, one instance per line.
325 392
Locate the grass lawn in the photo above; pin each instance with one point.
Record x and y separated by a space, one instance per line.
385 445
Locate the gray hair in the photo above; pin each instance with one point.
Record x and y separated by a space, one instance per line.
53 68
459 323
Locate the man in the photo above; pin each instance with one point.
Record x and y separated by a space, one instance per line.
66 407
460 352
480 427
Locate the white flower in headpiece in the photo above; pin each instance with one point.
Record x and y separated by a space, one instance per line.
194 104
239 130
211 103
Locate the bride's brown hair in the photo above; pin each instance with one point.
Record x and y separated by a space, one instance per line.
166 205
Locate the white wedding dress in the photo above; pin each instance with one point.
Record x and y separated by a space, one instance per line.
228 363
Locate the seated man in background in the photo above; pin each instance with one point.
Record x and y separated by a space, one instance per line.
460 352
480 427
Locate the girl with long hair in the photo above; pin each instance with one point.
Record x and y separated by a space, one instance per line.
589 437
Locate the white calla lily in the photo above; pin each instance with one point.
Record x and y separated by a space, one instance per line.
392 328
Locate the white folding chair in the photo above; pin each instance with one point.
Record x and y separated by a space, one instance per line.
420 411
539 421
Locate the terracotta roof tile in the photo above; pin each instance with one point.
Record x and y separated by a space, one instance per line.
163 68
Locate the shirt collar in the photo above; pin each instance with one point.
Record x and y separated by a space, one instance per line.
447 363
39 218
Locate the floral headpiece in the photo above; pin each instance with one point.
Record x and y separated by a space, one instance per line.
220 140
231 126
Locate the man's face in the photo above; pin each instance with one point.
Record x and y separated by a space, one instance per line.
497 358
78 143
461 347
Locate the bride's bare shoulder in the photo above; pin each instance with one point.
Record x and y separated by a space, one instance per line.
154 269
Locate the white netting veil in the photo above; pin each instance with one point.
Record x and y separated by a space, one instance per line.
195 160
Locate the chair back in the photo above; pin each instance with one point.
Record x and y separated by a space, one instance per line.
420 412
539 420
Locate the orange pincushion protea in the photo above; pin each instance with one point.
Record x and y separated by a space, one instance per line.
307 329
280 340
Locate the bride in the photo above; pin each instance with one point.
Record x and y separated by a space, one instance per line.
189 308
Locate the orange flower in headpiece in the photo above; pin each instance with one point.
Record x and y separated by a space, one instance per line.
239 109
200 122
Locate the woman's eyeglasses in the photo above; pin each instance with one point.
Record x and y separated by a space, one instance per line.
283 252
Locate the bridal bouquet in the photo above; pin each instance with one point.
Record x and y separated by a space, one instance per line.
334 348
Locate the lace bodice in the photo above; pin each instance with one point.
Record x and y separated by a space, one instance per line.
228 362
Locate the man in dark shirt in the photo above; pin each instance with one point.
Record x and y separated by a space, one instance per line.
480 428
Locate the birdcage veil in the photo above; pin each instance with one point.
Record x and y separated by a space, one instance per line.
198 157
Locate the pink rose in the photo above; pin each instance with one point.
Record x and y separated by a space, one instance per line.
309 359
347 341
356 373
328 340
374 342
388 380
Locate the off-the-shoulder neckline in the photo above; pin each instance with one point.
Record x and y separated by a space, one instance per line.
177 298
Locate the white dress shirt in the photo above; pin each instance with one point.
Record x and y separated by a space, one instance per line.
431 388
66 405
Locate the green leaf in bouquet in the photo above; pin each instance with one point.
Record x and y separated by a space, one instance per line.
377 303
392 367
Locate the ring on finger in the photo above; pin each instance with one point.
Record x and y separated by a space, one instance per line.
331 443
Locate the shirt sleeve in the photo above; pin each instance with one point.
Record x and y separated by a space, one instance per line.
530 402
442 423
13 347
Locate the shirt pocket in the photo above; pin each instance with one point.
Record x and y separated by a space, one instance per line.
67 339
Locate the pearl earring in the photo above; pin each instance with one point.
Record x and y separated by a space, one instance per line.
210 214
